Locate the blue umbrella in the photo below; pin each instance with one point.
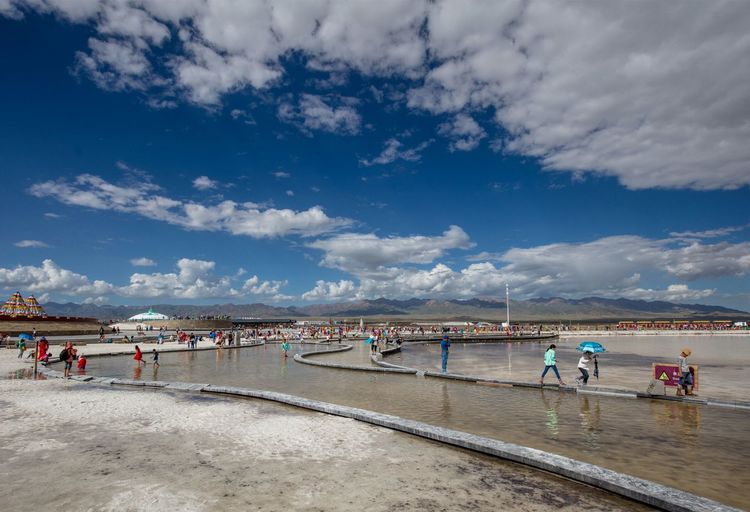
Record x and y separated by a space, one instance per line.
591 346
25 336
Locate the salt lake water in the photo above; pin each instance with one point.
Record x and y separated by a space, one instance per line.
697 448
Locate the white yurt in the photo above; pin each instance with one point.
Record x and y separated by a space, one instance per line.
148 315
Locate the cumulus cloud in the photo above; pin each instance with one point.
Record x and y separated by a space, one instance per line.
248 219
653 96
34 244
50 278
143 262
269 289
353 251
204 183
334 114
331 290
607 267
193 279
394 151
464 131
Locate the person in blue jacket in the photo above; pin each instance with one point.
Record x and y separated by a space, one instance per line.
444 346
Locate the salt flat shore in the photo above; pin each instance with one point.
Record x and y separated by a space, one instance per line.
67 445
596 332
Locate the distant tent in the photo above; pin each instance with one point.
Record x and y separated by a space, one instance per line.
35 309
148 315
15 306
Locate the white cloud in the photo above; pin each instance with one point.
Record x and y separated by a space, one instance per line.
281 174
354 251
654 96
239 114
248 219
204 183
393 151
193 279
607 267
290 193
603 89
143 262
51 215
328 291
272 289
35 244
464 131
333 114
709 233
50 278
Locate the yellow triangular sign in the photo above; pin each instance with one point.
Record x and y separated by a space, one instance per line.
663 376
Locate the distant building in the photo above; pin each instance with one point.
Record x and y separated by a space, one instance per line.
148 315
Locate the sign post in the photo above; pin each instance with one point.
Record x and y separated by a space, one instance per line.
669 374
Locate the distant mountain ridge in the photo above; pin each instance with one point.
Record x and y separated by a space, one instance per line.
541 309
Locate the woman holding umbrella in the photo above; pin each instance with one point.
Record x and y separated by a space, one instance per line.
583 367
589 349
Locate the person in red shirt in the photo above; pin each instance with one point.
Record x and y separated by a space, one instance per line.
139 356
82 362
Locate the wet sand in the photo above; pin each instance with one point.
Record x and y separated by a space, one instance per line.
74 446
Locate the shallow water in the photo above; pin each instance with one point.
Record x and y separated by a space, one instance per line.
700 449
723 361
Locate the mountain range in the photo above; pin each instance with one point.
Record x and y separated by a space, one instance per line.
542 309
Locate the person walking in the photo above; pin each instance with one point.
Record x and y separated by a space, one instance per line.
156 359
285 348
550 362
445 346
21 347
67 355
685 384
139 356
583 367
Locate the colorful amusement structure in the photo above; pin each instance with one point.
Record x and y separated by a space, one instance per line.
16 306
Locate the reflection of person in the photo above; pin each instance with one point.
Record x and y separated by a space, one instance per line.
445 346
590 419
685 385
552 413
550 362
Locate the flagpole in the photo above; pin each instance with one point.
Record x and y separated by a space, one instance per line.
507 306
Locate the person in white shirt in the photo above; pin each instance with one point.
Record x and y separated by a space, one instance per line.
583 367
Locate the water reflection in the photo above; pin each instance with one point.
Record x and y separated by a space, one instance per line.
26 373
684 419
590 420
552 409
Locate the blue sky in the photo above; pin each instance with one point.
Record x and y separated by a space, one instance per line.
202 153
